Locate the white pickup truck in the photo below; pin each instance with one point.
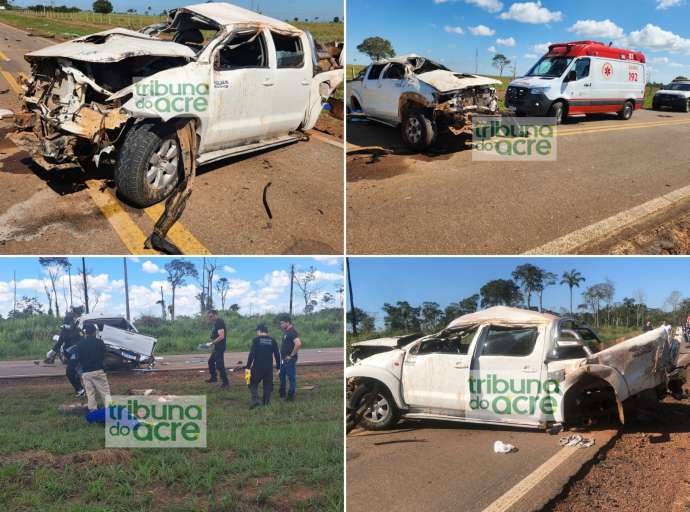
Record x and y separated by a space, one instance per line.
241 80
675 96
511 366
421 96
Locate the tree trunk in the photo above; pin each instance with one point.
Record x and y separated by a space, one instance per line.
172 305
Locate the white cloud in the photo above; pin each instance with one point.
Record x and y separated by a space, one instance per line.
531 56
531 12
482 30
453 30
150 267
228 269
667 4
659 60
541 48
331 260
509 42
487 5
492 49
592 28
656 39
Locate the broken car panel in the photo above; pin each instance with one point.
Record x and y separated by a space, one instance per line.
125 95
421 96
554 366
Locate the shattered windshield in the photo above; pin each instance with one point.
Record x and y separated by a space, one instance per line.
422 65
550 67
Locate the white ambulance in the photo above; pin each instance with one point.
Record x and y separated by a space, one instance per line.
582 77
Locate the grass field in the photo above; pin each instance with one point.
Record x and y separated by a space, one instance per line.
287 456
32 337
68 25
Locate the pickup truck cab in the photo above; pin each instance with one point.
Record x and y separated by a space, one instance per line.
244 81
674 96
510 366
421 96
580 77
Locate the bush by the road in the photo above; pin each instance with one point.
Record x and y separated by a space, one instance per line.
32 337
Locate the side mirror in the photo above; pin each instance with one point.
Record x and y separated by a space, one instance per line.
572 76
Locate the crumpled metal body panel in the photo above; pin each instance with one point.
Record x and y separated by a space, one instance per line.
447 81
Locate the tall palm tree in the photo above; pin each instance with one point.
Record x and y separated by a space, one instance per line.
572 279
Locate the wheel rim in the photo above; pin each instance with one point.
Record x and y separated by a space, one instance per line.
163 165
413 130
379 410
628 110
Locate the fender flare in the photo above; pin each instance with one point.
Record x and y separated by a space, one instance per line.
385 377
606 373
356 95
412 97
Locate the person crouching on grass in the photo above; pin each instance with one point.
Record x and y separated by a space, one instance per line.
90 354
217 359
264 349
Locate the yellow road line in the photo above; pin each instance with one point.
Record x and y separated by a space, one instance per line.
11 81
178 234
4 57
563 133
121 222
519 490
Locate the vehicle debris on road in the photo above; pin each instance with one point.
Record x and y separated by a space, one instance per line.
501 447
576 441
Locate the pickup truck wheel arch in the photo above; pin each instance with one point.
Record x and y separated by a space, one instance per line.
591 399
382 414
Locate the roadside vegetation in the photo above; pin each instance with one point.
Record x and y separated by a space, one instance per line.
614 318
288 456
31 337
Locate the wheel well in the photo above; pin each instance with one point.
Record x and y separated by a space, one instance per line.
370 383
590 401
562 102
355 104
408 105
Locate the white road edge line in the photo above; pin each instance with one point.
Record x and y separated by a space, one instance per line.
602 229
519 490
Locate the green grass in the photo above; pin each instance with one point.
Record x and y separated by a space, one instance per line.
611 334
294 449
32 337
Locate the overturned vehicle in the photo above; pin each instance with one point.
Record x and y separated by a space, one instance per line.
125 347
213 81
421 96
512 366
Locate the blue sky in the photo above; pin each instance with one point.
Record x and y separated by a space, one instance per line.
256 284
281 9
444 280
450 31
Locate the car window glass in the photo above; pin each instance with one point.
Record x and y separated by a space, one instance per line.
395 72
582 68
245 50
509 341
375 71
289 51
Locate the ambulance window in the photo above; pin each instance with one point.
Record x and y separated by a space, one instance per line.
582 68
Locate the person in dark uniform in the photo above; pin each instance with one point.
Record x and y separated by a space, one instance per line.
217 360
260 362
68 339
288 353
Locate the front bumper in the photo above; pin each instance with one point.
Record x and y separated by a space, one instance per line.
522 102
669 101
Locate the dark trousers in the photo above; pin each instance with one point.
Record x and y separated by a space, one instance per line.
217 362
288 371
73 374
261 376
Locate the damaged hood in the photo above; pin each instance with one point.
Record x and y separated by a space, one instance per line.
447 81
112 45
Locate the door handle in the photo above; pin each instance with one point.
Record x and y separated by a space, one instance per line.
461 366
305 82
267 83
529 369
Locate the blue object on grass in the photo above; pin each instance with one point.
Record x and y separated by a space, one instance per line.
98 416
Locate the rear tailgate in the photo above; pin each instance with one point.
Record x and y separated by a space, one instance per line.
127 340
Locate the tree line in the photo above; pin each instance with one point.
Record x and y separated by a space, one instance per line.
525 288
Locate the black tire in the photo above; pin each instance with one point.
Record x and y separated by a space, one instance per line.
418 130
558 112
387 414
627 112
687 106
134 169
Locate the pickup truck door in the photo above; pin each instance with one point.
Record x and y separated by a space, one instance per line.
390 88
434 376
371 91
243 91
506 375
128 340
322 87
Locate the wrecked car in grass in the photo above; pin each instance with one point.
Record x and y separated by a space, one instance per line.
421 96
512 366
242 81
125 346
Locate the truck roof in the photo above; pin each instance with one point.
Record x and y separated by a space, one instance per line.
594 49
227 15
503 315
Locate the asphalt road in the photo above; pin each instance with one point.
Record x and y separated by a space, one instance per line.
74 213
445 203
29 368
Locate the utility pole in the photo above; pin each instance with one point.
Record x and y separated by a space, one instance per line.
124 261
14 280
69 274
86 287
352 300
292 281
476 61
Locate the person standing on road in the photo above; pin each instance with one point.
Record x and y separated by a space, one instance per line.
68 339
260 362
667 328
648 326
90 354
217 360
288 352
